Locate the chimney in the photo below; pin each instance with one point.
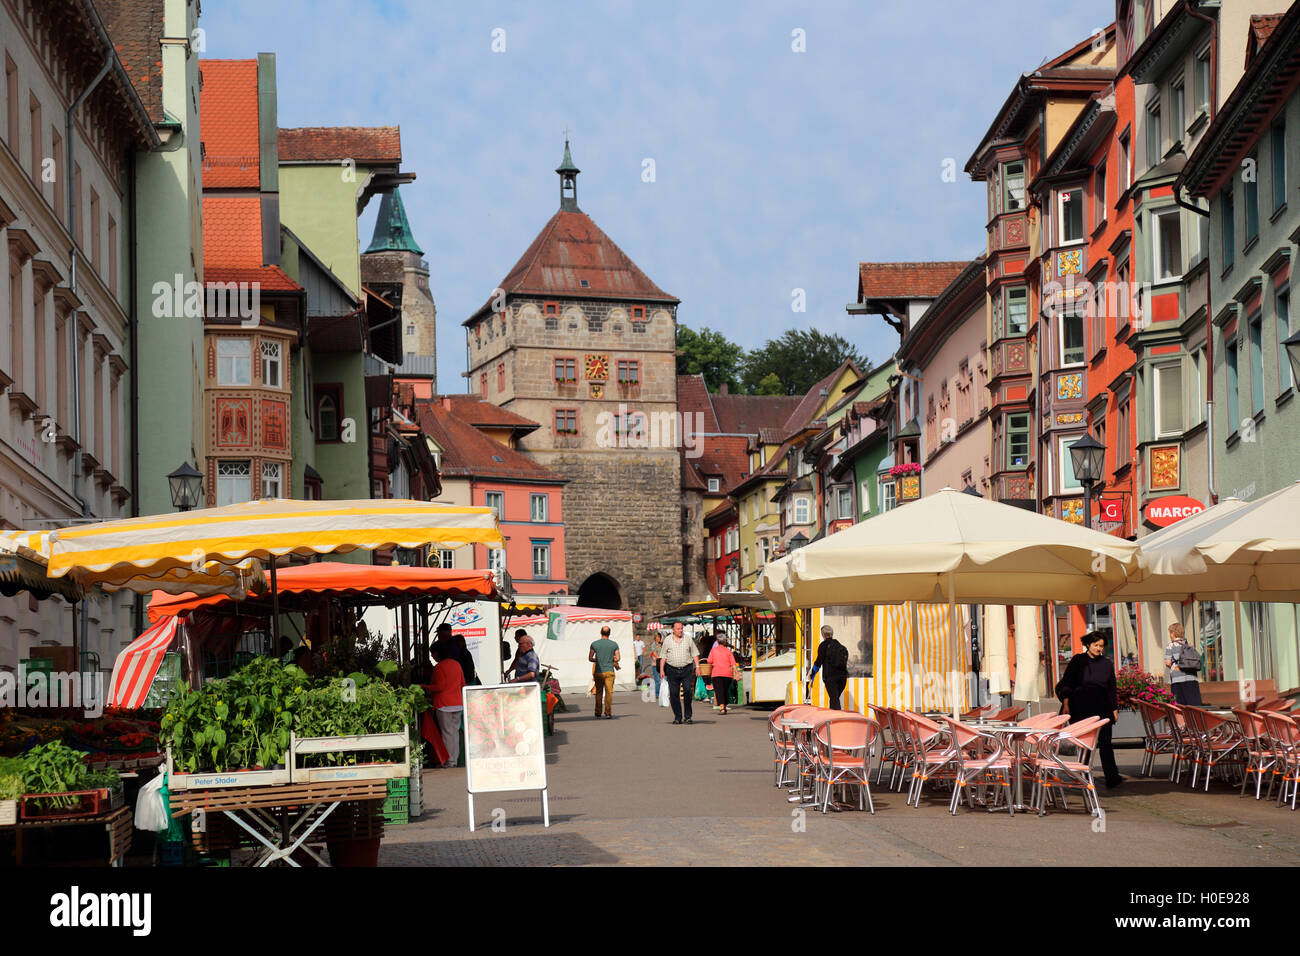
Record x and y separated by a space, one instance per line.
446 402
722 389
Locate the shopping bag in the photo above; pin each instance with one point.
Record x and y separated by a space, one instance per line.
664 700
701 692
150 807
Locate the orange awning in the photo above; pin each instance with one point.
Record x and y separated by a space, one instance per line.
332 577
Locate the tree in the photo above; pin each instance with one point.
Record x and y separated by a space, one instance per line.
771 385
710 354
798 360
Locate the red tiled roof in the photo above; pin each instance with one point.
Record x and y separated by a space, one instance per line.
232 232
136 27
228 124
802 416
481 414
1261 28
691 479
905 280
749 414
267 278
364 145
723 456
468 453
693 398
570 249
720 512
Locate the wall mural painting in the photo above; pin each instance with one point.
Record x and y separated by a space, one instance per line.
1069 386
234 422
274 433
1164 467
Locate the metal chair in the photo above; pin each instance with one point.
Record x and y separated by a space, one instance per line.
843 748
931 754
1284 733
1155 741
1214 740
782 741
1053 771
975 755
1260 754
1181 750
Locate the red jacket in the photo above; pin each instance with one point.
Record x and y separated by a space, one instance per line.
448 679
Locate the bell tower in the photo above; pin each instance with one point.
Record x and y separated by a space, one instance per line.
568 181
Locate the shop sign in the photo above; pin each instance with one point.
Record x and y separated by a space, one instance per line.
1110 509
1165 511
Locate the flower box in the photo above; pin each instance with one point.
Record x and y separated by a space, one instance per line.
300 746
63 806
208 780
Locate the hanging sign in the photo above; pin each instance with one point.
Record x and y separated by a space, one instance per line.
1165 511
1110 509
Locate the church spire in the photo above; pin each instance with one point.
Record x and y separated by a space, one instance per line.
568 181
392 228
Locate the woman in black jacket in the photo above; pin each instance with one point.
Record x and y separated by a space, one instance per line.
1087 689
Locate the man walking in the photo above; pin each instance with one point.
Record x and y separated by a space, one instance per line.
638 652
833 657
604 655
678 659
1183 664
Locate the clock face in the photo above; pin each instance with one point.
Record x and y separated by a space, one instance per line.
597 367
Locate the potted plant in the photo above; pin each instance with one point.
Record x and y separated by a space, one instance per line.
1133 684
11 789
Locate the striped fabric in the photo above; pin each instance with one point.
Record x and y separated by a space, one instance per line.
137 665
260 529
529 620
892 682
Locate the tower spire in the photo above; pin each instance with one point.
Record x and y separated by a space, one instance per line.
568 181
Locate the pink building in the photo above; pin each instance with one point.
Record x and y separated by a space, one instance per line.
475 447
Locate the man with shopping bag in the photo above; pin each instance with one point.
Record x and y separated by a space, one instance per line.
678 660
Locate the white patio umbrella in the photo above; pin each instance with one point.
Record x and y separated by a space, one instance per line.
953 547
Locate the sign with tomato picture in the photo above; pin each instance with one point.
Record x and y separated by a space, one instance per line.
504 749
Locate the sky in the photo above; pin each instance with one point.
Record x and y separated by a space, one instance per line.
737 153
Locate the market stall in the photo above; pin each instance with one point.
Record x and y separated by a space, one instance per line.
564 635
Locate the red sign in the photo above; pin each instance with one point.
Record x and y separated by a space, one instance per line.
1165 511
636 617
1110 509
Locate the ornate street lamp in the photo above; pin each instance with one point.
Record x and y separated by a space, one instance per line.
1089 459
186 485
1293 353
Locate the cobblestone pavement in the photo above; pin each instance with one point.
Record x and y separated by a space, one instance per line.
637 791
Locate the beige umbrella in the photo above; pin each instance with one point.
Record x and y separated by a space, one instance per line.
953 547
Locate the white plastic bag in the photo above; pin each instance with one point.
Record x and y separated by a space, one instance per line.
663 693
150 811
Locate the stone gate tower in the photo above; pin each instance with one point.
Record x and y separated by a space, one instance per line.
578 338
394 266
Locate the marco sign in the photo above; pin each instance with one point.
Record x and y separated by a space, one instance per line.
1165 511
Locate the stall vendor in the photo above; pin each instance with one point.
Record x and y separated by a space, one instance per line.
440 725
527 666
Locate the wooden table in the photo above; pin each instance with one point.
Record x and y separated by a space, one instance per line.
280 817
119 823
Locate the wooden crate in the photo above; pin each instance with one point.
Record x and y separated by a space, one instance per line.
234 778
306 746
86 803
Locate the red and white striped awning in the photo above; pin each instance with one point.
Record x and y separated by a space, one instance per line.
137 665
530 620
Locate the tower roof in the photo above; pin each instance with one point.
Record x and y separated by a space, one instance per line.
392 228
571 257
566 164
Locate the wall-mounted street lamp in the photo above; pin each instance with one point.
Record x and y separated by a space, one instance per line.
186 486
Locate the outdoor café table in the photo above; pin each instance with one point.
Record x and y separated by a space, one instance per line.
800 727
1015 736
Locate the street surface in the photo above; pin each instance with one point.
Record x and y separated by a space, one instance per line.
638 791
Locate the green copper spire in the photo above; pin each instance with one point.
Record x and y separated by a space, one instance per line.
392 229
568 181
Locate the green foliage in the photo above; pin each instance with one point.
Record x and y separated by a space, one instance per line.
11 786
55 768
710 354
799 358
770 385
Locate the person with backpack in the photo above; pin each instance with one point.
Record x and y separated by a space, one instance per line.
833 659
1183 663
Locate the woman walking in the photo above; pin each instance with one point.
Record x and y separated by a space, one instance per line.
1087 689
724 672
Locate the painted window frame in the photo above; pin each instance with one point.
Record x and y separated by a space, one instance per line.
1062 220
565 368
1228 226
226 374
1159 370
1232 384
1250 202
567 413
543 499
1027 442
1157 251
1006 293
1155 143
1277 164
496 500
1064 462
334 392
1255 340
1006 195
888 493
802 505
247 477
272 362
1073 313
278 469
1282 325
541 549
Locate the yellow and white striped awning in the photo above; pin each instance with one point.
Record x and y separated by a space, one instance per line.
894 681
120 550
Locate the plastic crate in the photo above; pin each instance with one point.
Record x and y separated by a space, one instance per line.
171 852
397 806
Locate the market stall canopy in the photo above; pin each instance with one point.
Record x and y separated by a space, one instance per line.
137 665
750 599
950 546
575 614
24 569
372 584
263 529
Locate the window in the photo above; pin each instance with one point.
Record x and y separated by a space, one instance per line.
112 256
1154 141
1251 189
846 503
329 412
1017 311
1177 103
743 512
34 110
551 308
715 485
801 511
764 550
732 541
443 558
538 507
1282 306
629 371
56 153
496 560
1070 213
410 329
482 384
566 370
888 500
271 486
501 376
1202 80
1167 245
1099 195
1228 223
234 361
1013 186
1125 162
1097 336
1234 387
1277 139
733 581
1018 440
76 189
1065 465
11 104
496 500
638 313
1123 432
864 495
270 364
566 421
1168 405
1256 363
94 229
541 559
1071 336
1196 389
234 482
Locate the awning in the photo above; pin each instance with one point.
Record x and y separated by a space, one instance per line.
573 614
376 583
137 665
21 571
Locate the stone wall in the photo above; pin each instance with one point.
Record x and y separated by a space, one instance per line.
622 517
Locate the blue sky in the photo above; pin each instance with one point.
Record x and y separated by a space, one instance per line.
775 170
